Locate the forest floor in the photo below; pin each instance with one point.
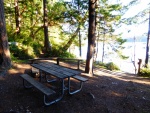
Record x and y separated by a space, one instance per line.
105 92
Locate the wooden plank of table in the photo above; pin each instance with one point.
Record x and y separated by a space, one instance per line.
70 70
50 65
49 58
61 69
52 72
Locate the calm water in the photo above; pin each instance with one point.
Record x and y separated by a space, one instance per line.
134 51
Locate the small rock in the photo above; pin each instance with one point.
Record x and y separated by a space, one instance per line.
115 83
93 97
144 98
27 111
21 107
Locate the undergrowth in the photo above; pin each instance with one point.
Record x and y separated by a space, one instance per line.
144 72
110 66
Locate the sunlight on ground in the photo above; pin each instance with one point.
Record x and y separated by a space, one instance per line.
14 71
116 94
125 77
133 79
18 68
23 66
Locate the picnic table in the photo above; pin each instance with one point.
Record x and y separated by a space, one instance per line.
61 73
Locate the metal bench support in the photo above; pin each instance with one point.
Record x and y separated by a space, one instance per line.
79 78
41 87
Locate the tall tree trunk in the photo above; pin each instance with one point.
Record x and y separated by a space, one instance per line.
91 38
17 17
47 46
103 51
80 52
5 61
147 46
32 21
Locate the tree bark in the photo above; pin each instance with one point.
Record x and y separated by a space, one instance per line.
5 61
80 50
17 17
91 38
47 46
103 51
147 46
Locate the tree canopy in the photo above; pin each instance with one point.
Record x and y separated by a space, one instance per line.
54 26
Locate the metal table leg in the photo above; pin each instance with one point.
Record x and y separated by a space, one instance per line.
75 91
57 99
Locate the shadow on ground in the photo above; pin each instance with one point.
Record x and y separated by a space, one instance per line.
103 93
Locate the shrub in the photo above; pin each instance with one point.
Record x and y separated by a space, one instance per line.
145 72
111 66
58 52
21 52
100 64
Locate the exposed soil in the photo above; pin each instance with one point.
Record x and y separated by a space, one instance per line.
105 92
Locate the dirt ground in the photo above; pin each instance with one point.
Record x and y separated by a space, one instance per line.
105 92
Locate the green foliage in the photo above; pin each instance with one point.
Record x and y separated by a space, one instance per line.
57 52
21 52
117 47
17 60
37 48
144 72
100 65
121 41
111 66
60 15
56 13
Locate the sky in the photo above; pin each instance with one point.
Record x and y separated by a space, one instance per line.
135 30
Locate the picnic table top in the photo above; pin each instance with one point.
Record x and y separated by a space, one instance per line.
56 70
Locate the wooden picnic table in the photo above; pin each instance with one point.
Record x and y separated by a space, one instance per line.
60 73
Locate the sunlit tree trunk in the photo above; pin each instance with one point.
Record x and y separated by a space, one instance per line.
5 61
147 46
80 52
103 51
47 46
91 38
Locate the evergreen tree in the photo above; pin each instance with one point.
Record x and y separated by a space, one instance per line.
5 61
91 38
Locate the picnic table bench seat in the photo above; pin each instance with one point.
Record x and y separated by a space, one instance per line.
41 87
80 78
